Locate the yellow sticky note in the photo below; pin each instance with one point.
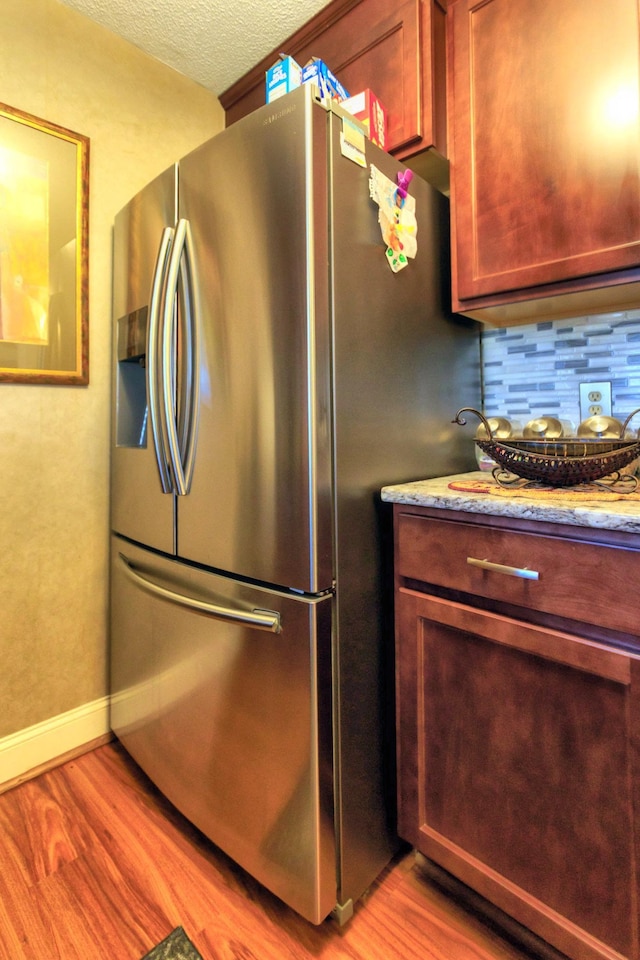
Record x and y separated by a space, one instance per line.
352 141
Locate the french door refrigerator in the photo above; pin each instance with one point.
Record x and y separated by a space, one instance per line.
271 373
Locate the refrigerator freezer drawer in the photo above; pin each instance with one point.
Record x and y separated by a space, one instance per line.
221 692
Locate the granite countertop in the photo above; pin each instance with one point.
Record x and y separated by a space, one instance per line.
616 512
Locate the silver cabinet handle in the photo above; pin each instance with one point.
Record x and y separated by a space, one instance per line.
268 620
523 572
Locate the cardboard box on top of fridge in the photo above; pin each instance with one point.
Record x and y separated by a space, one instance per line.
316 71
366 107
283 76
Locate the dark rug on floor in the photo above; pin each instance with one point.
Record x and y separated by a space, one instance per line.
176 946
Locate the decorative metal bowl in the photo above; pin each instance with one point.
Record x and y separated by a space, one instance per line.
557 463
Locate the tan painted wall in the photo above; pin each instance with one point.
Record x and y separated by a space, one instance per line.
54 441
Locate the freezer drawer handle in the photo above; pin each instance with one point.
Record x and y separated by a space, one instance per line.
268 620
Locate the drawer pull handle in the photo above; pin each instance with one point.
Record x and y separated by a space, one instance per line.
523 572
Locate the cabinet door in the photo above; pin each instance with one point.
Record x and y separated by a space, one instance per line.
546 178
518 769
397 50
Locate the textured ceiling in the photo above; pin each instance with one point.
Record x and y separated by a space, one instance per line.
214 42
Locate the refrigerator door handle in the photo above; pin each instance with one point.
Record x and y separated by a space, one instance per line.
191 354
168 362
181 442
268 620
153 362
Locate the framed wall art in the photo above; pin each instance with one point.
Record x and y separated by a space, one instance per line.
44 222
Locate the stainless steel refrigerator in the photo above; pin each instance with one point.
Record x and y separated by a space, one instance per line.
271 373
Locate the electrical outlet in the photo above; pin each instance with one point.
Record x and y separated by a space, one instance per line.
595 399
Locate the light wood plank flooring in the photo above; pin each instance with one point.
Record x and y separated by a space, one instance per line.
96 865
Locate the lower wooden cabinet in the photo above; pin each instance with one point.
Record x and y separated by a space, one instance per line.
518 749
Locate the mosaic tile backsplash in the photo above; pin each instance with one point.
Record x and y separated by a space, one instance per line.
536 370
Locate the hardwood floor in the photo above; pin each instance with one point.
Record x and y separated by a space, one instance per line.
96 865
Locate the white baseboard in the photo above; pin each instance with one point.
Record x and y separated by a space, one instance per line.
43 742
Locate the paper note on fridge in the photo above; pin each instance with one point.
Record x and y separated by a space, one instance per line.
397 219
352 143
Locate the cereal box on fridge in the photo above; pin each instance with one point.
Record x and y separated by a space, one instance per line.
366 107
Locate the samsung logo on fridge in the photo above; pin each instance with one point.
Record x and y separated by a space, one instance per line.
279 115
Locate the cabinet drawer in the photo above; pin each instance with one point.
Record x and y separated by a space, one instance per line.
592 583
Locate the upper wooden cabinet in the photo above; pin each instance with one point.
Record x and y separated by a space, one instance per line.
545 151
397 49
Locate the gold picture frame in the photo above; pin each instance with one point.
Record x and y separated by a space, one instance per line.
44 251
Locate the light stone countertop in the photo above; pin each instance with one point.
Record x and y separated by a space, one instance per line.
618 514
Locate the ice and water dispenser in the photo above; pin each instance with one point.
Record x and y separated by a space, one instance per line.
131 390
